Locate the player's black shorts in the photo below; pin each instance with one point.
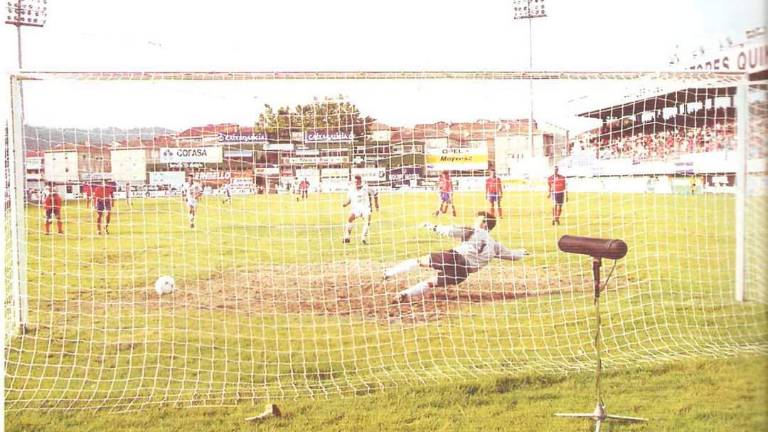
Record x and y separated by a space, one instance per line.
558 197
52 212
451 265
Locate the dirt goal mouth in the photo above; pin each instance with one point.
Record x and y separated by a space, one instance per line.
354 289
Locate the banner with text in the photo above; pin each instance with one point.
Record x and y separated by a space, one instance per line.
307 173
325 135
278 147
749 57
172 178
212 175
319 160
258 138
457 159
370 174
238 153
191 154
270 171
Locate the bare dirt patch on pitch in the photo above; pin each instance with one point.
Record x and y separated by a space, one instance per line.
357 290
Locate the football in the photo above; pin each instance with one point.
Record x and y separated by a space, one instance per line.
165 285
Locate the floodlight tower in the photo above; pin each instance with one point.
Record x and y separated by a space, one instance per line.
31 13
530 9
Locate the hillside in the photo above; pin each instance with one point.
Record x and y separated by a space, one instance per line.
42 138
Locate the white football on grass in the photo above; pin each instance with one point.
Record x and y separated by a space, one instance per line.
165 285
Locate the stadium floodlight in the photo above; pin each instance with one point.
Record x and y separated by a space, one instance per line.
529 9
525 9
27 13
30 13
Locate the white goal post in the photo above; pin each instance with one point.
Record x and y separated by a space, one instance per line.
13 180
741 190
229 187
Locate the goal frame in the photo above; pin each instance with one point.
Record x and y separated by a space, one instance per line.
742 134
18 255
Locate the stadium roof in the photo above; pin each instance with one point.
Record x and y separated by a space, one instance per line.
81 148
213 129
666 100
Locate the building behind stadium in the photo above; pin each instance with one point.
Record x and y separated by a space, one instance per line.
254 161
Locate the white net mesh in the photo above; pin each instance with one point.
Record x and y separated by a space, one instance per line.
756 199
8 303
269 302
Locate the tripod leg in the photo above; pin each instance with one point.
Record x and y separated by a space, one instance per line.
626 419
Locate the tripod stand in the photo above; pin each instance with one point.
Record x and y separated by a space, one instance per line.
599 415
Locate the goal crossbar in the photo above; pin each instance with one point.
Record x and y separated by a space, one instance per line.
381 75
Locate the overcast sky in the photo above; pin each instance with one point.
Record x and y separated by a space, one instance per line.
226 35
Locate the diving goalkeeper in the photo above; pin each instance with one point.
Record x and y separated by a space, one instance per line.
476 250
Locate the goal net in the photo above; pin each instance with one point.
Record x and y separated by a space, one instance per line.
221 238
755 194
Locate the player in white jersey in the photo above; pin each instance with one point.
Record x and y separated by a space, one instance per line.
45 193
360 200
226 190
476 250
192 192
373 191
128 194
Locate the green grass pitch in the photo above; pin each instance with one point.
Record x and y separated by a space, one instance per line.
271 306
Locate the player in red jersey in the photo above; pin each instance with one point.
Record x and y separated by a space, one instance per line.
558 193
52 207
493 192
303 190
102 201
445 186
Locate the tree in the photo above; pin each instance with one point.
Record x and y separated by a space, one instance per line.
327 113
